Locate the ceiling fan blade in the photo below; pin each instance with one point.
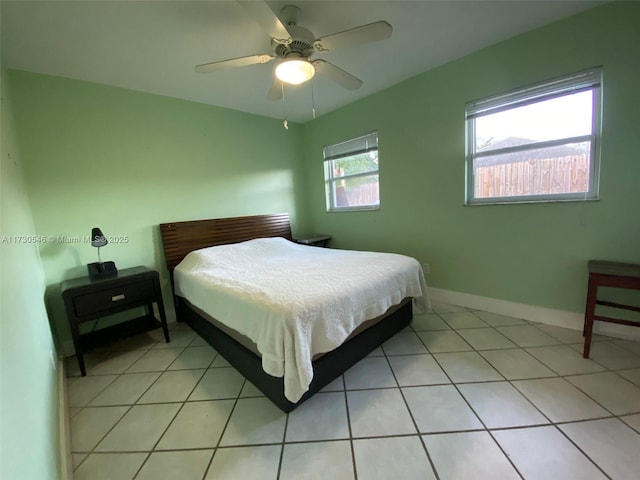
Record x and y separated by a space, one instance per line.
261 12
355 36
275 92
338 75
233 62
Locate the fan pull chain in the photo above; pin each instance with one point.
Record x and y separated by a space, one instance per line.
313 103
284 110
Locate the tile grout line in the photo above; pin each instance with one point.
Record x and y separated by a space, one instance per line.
588 457
353 452
109 355
92 451
224 428
489 431
282 445
482 422
415 423
556 425
182 404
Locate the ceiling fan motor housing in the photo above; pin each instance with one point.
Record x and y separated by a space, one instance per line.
301 44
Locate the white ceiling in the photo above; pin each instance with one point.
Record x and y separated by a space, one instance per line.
153 46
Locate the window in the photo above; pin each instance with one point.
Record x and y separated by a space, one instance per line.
351 174
536 144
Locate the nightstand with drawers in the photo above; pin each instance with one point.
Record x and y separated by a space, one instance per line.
88 299
314 240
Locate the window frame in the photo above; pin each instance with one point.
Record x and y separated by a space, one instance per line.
586 80
364 143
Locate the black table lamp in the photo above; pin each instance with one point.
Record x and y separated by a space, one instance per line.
100 269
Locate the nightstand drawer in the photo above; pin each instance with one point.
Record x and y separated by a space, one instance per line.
112 298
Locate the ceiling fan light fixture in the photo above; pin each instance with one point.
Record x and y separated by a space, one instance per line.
295 72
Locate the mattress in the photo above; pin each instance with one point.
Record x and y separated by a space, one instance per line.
250 345
295 301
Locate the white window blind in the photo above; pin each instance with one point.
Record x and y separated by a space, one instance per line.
351 174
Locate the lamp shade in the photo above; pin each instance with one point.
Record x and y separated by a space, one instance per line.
97 238
295 72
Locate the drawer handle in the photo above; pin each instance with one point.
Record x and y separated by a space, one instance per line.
115 298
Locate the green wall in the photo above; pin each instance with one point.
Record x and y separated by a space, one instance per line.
529 253
127 161
28 383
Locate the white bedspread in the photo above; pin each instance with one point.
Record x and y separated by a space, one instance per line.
295 301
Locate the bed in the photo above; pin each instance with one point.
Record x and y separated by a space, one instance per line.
290 318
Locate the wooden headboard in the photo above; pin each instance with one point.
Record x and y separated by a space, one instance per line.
180 238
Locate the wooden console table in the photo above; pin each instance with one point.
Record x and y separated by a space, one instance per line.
608 274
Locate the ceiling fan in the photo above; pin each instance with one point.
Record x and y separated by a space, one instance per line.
292 46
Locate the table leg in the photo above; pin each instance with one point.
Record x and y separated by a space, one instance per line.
163 320
77 345
590 310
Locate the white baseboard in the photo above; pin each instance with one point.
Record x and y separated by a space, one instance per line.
66 462
67 348
534 313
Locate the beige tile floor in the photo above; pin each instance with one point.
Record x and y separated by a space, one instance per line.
461 394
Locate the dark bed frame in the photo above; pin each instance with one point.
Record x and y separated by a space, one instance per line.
180 238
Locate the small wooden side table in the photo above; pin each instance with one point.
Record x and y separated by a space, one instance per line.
88 299
608 274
